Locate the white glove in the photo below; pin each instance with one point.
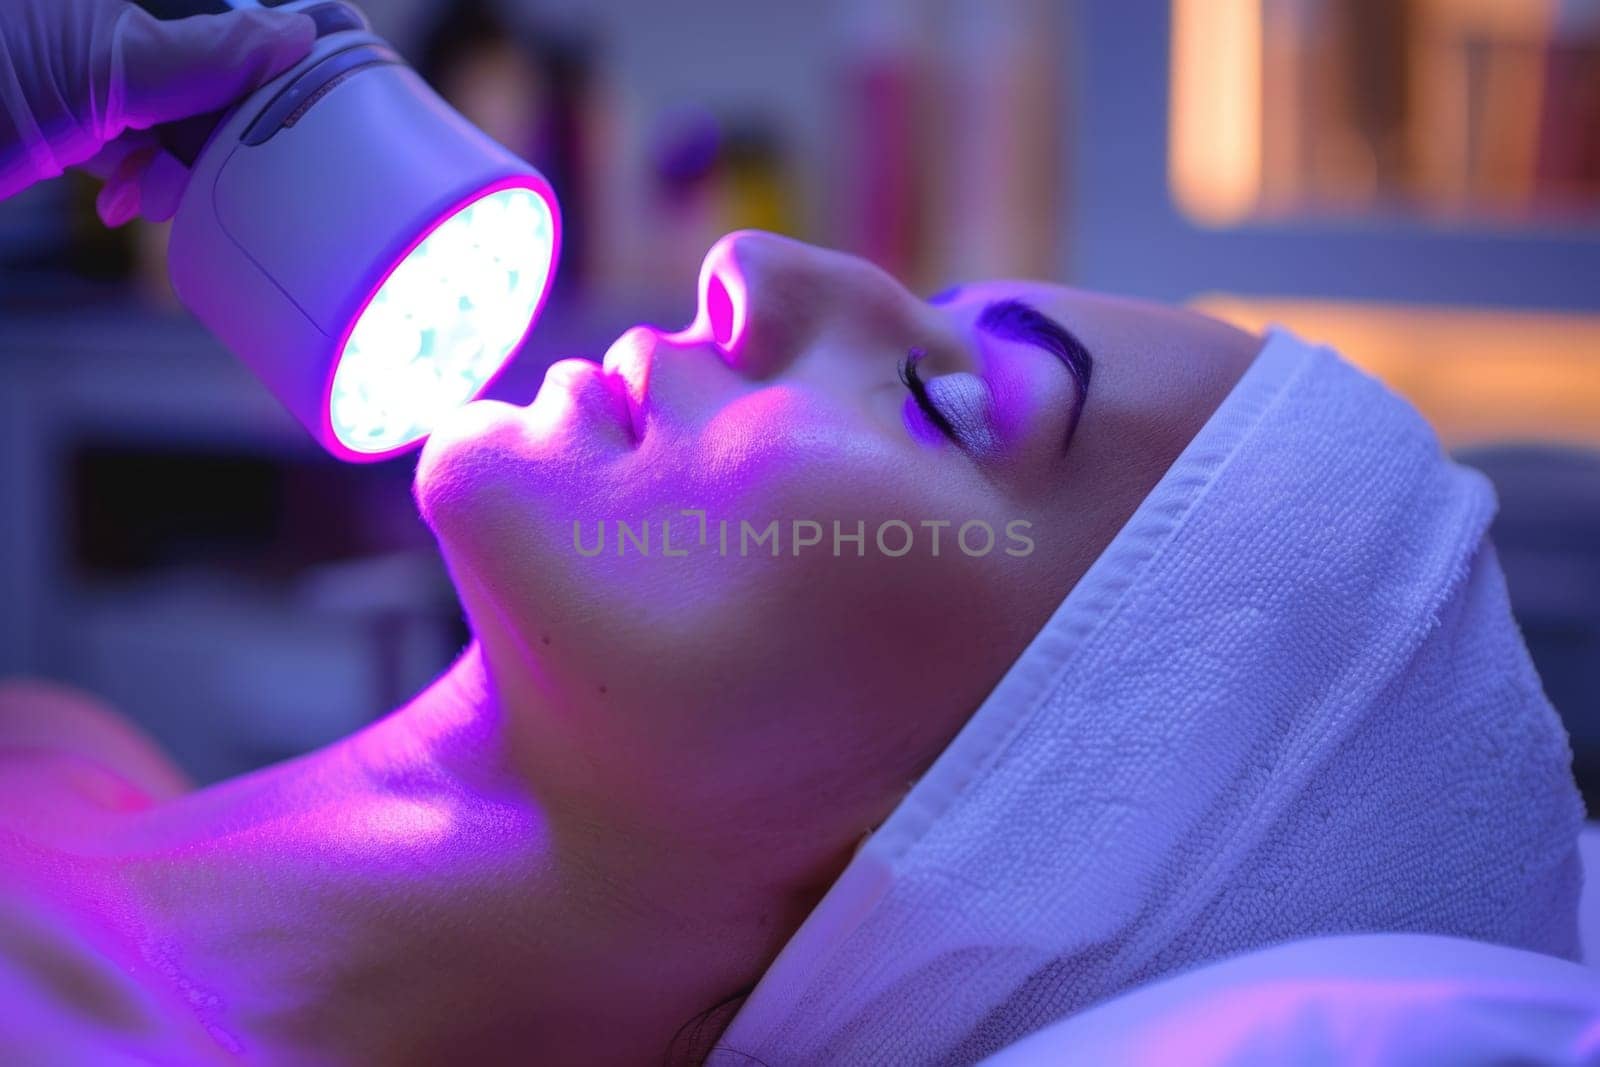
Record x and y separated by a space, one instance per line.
80 80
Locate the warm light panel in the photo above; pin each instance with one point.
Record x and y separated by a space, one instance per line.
1477 375
1214 156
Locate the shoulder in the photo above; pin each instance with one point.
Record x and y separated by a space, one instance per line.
81 746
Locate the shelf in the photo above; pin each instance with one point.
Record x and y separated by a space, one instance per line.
1130 236
1477 376
1455 109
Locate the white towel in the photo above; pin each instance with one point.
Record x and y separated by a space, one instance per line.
1288 700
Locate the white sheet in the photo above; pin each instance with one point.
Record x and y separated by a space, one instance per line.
1374 1000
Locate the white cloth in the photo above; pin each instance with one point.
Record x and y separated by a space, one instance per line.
1373 999
1589 903
1288 700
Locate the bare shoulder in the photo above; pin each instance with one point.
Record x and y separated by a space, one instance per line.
50 728
71 769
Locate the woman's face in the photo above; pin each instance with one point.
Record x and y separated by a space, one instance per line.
648 551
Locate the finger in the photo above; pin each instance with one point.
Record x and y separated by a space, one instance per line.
118 202
161 179
105 162
193 66
161 187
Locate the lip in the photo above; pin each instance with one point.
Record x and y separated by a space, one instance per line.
629 407
587 387
626 365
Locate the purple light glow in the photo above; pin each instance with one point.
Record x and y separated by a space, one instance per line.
1273 1021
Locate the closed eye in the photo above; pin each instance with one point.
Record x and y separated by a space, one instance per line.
912 380
1013 320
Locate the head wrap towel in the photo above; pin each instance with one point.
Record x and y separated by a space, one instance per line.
1289 699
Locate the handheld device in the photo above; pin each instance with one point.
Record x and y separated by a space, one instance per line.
372 256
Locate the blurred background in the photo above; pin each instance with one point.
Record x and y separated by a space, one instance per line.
1415 181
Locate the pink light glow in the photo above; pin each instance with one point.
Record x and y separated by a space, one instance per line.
723 310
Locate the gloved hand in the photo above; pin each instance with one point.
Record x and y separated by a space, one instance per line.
80 80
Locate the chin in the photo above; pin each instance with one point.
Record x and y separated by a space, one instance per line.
496 479
461 459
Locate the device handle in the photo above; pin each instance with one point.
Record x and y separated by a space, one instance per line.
185 138
182 9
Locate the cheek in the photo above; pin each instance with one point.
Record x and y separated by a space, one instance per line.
575 550
555 535
786 435
729 655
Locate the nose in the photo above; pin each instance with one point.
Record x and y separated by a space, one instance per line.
765 298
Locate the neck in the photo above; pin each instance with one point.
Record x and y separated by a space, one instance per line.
408 895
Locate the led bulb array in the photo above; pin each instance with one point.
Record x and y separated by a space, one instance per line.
443 322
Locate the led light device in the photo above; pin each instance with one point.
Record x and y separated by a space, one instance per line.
372 256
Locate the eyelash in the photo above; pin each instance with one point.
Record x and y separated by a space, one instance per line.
919 392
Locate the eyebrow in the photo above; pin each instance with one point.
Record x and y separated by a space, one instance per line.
1013 320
